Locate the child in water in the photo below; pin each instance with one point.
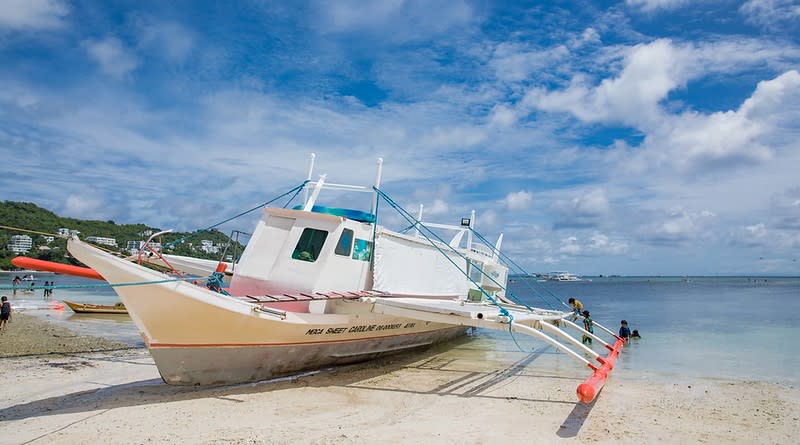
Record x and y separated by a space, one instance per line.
589 326
635 334
624 331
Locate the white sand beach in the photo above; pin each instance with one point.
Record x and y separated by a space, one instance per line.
448 394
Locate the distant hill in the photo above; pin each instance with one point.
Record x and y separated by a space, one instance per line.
26 215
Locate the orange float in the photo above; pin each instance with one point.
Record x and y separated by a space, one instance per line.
24 262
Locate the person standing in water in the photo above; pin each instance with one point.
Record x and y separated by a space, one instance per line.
624 331
588 325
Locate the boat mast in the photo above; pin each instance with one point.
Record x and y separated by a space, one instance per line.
377 186
471 226
308 177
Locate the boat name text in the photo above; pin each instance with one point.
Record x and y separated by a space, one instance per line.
360 328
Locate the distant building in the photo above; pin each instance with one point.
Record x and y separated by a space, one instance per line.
48 239
20 243
208 246
63 231
134 246
102 240
147 232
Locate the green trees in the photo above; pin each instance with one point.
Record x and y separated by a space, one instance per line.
29 216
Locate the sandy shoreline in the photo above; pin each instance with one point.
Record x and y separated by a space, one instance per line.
29 335
447 394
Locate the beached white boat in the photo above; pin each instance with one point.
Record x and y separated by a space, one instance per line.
317 286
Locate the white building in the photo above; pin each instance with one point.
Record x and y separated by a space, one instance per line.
102 240
63 231
209 247
20 243
147 232
48 239
134 246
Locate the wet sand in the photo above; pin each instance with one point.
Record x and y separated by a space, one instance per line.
29 335
450 394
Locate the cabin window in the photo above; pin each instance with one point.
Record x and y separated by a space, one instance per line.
345 244
476 271
362 250
310 245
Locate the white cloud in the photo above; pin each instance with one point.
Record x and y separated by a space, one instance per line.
652 5
32 14
650 72
113 57
677 227
439 207
520 200
770 13
752 133
583 210
397 20
457 136
597 244
502 117
512 62
171 40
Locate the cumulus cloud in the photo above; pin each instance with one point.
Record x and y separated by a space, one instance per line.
32 14
520 200
513 62
769 13
597 244
585 210
114 58
677 227
752 133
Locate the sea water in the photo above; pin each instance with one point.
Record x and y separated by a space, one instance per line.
723 327
718 327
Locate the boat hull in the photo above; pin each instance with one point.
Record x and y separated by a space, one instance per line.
226 364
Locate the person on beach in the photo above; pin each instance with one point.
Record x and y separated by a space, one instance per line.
50 289
5 313
589 326
624 332
44 289
15 283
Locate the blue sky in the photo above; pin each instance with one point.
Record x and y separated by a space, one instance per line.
630 137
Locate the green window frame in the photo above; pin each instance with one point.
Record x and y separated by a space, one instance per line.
345 244
310 245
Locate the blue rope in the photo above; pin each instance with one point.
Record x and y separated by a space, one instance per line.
510 261
90 286
409 218
295 190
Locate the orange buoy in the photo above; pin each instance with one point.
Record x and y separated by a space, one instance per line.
588 390
24 262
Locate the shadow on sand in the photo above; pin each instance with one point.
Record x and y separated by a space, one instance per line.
468 383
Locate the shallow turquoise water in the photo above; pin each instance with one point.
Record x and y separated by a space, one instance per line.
726 327
714 327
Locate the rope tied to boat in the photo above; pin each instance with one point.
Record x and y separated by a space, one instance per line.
100 285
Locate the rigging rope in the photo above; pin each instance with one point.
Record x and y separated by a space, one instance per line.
524 272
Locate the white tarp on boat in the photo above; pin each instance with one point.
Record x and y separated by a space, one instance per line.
405 265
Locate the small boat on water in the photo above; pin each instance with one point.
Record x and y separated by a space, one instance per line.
88 308
561 276
319 286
